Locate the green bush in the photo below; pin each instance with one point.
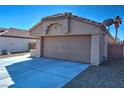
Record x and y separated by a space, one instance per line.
4 52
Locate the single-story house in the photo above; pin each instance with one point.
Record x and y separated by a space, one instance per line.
69 37
15 40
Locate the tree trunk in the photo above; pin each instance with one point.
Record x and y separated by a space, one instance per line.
116 34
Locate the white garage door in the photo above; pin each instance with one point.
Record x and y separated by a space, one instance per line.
75 48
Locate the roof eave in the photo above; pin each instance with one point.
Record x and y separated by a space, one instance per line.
106 31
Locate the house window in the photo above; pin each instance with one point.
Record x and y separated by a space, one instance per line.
32 45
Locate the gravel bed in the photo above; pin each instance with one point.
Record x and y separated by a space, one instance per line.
109 75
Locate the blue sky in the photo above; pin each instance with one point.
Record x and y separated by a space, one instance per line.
24 17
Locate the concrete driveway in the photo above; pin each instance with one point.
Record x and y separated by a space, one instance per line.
24 72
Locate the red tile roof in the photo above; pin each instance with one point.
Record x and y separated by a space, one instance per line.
69 15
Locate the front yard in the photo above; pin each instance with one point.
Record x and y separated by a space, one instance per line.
109 75
21 71
26 72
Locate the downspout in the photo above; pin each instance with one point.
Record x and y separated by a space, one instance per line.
41 46
68 17
69 21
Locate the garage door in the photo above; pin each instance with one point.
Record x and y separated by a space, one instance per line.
75 48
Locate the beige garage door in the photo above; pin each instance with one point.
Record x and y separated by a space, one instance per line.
75 48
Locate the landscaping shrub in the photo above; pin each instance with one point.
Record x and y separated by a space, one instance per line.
4 52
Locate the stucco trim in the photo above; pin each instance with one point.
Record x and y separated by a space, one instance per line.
70 35
35 26
95 50
64 16
16 37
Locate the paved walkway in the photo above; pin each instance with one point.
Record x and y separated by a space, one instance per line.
23 72
13 55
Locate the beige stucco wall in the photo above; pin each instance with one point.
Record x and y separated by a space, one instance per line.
12 44
36 52
97 39
95 50
106 49
62 28
98 45
102 46
78 27
107 40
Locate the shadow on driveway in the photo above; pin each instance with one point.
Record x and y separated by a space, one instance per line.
39 72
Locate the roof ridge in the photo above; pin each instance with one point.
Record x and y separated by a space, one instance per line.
17 29
64 15
59 15
68 14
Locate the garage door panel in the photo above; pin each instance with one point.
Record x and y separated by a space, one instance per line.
75 48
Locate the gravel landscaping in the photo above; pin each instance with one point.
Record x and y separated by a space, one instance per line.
108 75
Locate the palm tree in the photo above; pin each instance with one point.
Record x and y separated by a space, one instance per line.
117 22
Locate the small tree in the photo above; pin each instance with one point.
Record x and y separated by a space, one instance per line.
4 52
117 22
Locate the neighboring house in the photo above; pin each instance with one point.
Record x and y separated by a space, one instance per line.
69 37
15 40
